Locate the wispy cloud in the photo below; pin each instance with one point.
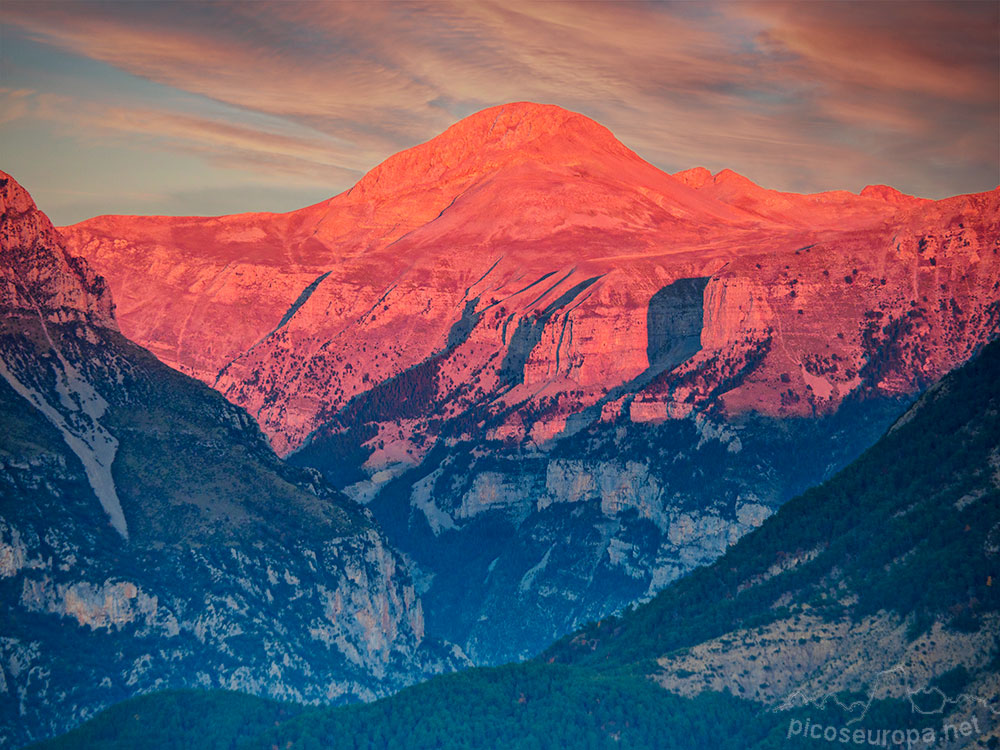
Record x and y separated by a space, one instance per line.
797 95
228 142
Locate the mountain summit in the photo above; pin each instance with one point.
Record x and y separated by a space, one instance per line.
495 139
37 275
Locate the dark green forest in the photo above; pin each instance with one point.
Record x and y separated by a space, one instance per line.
528 706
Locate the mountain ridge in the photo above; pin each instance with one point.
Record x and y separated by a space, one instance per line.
479 361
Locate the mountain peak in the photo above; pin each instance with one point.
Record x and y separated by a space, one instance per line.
13 195
735 179
889 194
695 177
520 123
22 220
492 139
699 177
37 275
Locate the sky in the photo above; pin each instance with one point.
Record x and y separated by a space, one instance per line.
204 108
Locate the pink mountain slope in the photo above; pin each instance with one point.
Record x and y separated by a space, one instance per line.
519 253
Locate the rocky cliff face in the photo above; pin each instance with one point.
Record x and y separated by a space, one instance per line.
40 278
522 287
879 584
149 537
513 547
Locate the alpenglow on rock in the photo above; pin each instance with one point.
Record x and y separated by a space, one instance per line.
523 293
